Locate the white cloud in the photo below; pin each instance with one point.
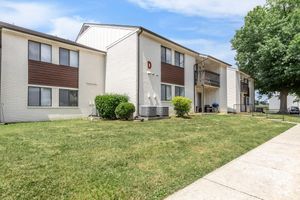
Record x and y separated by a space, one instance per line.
203 8
29 14
220 50
51 18
66 27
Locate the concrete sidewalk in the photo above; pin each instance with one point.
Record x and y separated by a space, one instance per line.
269 172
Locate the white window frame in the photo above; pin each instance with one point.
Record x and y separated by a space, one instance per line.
40 51
165 59
69 64
40 96
180 87
181 59
171 96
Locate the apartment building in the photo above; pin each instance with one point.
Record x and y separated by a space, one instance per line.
152 69
45 77
274 102
241 91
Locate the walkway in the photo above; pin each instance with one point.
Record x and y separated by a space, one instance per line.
269 172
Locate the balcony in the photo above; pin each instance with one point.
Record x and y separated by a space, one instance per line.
244 87
207 78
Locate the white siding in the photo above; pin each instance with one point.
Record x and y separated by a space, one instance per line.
150 80
14 77
252 92
274 102
189 78
150 83
100 37
234 77
223 89
233 89
121 71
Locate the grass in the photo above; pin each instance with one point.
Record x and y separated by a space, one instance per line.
81 159
283 117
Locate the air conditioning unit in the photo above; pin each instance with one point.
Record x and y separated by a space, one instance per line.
148 111
163 111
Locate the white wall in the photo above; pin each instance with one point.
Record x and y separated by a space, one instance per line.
233 89
150 50
99 36
15 80
274 102
190 61
121 71
150 80
234 77
252 92
223 89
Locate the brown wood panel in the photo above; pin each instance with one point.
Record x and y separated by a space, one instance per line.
172 74
41 73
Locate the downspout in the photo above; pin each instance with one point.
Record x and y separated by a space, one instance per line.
138 73
195 84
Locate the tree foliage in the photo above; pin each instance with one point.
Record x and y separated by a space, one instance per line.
268 46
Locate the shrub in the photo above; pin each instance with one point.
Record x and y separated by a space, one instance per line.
106 104
182 106
125 110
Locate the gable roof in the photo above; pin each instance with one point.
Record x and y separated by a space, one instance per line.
43 35
85 26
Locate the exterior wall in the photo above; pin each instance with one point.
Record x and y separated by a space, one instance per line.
150 79
252 92
121 71
100 37
233 87
234 77
274 102
14 85
211 94
223 89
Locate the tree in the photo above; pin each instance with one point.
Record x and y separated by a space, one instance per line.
268 48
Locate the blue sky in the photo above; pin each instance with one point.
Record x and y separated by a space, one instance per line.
206 26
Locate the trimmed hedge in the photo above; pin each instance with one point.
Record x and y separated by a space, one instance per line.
125 110
106 104
182 105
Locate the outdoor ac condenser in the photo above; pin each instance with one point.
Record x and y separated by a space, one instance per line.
163 111
148 111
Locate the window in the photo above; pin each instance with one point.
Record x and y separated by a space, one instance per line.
179 91
166 92
68 57
39 52
39 96
179 59
166 55
68 98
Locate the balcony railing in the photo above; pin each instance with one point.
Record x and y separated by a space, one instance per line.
244 87
211 78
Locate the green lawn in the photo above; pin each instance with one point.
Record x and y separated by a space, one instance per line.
81 159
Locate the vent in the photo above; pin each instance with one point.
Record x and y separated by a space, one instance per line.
163 111
148 111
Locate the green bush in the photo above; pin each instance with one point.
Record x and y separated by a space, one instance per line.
182 106
106 104
125 110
